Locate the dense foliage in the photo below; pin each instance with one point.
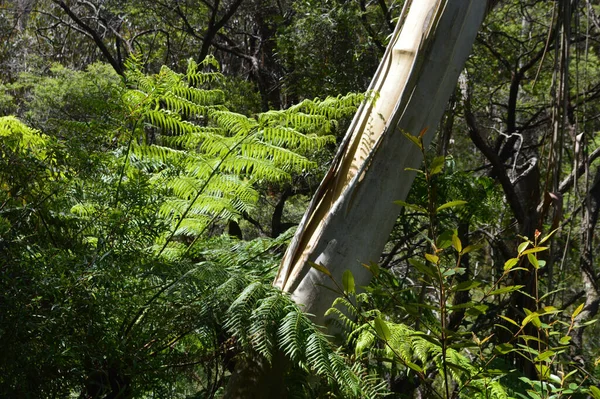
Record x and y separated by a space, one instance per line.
146 200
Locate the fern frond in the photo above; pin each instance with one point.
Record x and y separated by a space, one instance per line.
239 313
170 122
205 99
263 331
236 124
157 153
281 157
18 136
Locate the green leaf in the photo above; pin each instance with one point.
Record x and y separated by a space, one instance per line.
577 311
382 329
503 349
320 268
477 310
470 248
444 240
523 246
543 356
348 281
373 267
565 340
437 165
509 264
543 240
534 250
413 207
414 139
533 260
432 258
423 268
450 205
504 290
466 285
509 320
456 243
595 392
543 371
533 317
414 367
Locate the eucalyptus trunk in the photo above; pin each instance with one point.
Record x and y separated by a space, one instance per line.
352 213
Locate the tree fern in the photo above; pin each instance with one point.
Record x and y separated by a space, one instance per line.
273 322
210 158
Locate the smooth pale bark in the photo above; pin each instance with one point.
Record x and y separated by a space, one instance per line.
350 217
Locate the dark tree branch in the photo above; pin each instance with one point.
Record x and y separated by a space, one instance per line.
490 154
117 66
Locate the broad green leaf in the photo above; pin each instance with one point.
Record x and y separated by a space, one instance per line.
533 317
320 268
503 349
437 165
523 246
509 320
565 340
348 281
432 258
577 311
450 205
543 371
543 356
466 285
414 367
504 290
533 260
509 264
477 310
444 240
534 250
456 243
470 248
382 329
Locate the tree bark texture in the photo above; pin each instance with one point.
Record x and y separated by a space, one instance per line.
351 215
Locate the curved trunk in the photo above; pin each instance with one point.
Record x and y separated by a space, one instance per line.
353 211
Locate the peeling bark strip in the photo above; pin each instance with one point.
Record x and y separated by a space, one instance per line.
350 217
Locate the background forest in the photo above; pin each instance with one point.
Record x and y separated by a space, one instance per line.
156 157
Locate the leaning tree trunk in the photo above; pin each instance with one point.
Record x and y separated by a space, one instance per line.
352 213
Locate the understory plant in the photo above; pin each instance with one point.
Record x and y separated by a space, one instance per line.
449 334
117 279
